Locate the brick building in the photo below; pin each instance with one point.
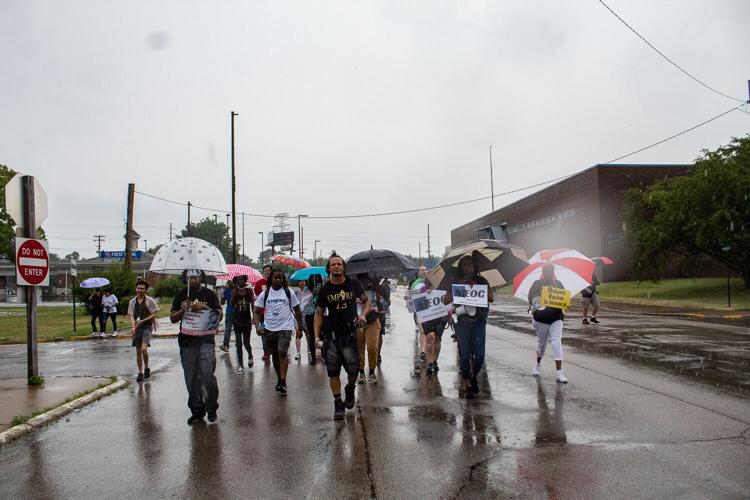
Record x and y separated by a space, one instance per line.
584 212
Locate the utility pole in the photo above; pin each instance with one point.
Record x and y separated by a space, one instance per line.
230 252
243 236
145 245
420 253
428 244
315 252
262 246
234 196
188 227
29 231
302 244
99 238
170 231
129 225
299 233
492 181
216 227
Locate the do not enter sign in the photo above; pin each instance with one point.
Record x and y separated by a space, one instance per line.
32 262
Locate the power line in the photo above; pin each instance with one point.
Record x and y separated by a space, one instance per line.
465 202
677 134
670 61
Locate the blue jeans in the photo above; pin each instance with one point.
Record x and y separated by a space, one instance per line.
228 325
199 364
471 339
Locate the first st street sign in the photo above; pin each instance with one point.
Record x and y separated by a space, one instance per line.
32 262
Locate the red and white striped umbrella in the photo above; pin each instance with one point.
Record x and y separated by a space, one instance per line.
572 269
234 270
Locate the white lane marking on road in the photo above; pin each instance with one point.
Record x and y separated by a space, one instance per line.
66 352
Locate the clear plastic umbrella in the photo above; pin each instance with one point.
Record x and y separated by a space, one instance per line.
188 253
94 283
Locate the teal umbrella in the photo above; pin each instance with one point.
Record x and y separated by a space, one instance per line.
304 274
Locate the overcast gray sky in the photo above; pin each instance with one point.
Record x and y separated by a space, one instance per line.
347 107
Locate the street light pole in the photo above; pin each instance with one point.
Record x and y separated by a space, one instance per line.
262 246
216 226
492 181
315 252
299 234
234 197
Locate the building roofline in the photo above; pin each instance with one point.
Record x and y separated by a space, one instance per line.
581 172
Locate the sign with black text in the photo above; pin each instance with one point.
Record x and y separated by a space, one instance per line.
468 295
32 262
429 305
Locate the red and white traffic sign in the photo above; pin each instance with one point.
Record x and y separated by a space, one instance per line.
32 262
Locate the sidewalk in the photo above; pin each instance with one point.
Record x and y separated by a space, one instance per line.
166 330
21 399
716 353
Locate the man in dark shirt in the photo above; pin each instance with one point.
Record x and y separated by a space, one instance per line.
199 313
547 322
339 330
590 298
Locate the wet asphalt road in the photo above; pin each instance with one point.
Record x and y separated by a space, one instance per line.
617 430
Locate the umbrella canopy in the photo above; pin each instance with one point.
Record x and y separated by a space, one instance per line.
304 274
572 269
604 260
94 283
188 253
386 263
498 262
285 260
234 270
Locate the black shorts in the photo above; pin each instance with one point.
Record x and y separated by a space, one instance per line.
142 335
341 352
436 325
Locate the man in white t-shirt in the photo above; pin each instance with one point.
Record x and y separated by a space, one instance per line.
280 309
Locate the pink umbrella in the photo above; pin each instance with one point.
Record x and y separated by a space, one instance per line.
573 269
234 270
292 262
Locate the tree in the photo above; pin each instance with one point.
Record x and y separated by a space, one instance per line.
214 232
73 256
704 214
7 225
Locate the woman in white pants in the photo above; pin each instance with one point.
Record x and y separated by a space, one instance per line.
547 322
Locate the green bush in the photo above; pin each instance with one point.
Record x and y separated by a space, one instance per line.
168 287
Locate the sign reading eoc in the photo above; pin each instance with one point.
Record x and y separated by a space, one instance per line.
32 262
470 295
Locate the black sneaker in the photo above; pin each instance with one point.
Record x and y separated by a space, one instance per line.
594 320
195 418
349 391
224 348
147 372
278 385
139 378
282 388
212 417
422 356
585 321
431 368
380 359
474 386
338 410
250 363
435 367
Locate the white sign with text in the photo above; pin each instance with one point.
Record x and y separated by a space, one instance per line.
429 306
468 295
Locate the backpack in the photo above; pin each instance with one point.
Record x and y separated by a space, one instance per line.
288 296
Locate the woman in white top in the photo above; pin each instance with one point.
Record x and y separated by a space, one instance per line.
109 310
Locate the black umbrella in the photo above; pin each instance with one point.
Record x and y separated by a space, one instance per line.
498 262
386 263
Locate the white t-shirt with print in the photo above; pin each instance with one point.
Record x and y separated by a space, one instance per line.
277 314
110 304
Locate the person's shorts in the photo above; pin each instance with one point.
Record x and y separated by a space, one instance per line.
436 325
341 352
142 335
278 341
590 301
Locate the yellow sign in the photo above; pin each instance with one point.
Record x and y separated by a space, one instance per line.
555 297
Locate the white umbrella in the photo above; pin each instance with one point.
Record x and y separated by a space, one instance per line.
94 283
188 253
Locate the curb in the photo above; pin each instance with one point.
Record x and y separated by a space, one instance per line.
79 338
54 414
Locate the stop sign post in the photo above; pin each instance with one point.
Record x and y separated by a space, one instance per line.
32 262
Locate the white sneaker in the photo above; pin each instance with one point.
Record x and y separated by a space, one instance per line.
240 370
114 334
102 335
372 378
361 378
560 377
537 369
94 334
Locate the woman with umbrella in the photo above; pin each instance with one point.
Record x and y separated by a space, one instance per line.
471 327
547 322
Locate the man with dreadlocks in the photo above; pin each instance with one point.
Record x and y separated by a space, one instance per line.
280 309
339 330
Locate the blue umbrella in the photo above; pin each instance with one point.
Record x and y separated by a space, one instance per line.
94 283
303 274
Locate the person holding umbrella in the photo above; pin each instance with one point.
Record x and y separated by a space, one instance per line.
94 306
547 322
198 311
471 329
